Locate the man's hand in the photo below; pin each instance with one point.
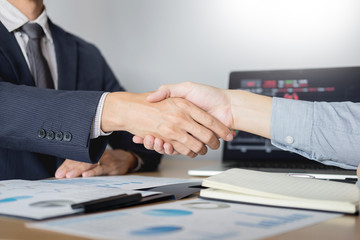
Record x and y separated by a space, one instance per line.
358 172
212 100
112 162
177 121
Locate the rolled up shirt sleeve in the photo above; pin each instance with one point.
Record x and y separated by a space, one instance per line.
326 132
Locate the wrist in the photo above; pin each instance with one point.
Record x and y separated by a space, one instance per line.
251 112
135 163
111 120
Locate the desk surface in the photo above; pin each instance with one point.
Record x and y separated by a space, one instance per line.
346 227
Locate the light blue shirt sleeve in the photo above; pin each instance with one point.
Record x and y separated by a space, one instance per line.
326 132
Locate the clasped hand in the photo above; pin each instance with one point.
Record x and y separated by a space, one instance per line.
187 128
212 101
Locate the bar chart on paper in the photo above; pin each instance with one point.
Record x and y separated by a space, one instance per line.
188 219
267 221
51 198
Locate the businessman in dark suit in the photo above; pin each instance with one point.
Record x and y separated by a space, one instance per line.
80 67
42 127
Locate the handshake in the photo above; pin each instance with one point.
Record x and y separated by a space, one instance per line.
186 118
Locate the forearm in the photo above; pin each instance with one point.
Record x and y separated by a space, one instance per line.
251 112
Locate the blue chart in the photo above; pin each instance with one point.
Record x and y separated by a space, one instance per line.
126 183
167 212
13 199
206 205
266 221
156 230
76 181
96 182
117 185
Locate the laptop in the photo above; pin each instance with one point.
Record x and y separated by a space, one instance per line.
249 151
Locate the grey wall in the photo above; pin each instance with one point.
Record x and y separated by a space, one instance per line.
152 42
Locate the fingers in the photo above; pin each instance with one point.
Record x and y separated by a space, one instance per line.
206 128
183 150
214 125
150 142
60 172
169 149
158 145
97 171
71 169
137 139
113 162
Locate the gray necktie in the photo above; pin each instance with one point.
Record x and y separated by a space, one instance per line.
38 64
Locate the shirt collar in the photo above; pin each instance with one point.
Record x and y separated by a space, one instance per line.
42 20
12 18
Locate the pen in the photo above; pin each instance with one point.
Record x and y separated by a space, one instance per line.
346 180
108 202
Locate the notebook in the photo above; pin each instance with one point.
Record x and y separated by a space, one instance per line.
281 190
249 151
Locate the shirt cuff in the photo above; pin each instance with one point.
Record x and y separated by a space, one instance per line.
291 125
140 162
96 131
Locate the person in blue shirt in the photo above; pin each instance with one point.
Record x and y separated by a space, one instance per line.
327 132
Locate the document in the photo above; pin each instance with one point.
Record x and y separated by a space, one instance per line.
192 219
279 189
44 199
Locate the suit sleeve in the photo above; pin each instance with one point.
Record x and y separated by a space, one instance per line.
123 140
48 121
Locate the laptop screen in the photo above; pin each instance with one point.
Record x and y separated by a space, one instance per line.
330 84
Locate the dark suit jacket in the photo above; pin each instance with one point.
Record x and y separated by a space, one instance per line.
27 113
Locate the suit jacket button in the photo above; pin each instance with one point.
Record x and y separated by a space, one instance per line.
67 136
41 133
59 136
50 135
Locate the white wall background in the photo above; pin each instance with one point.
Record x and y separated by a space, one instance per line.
152 42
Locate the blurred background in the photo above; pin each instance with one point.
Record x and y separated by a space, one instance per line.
152 42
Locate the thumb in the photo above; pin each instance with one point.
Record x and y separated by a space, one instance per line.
180 90
159 95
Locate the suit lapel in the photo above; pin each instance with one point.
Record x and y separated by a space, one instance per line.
17 71
66 57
